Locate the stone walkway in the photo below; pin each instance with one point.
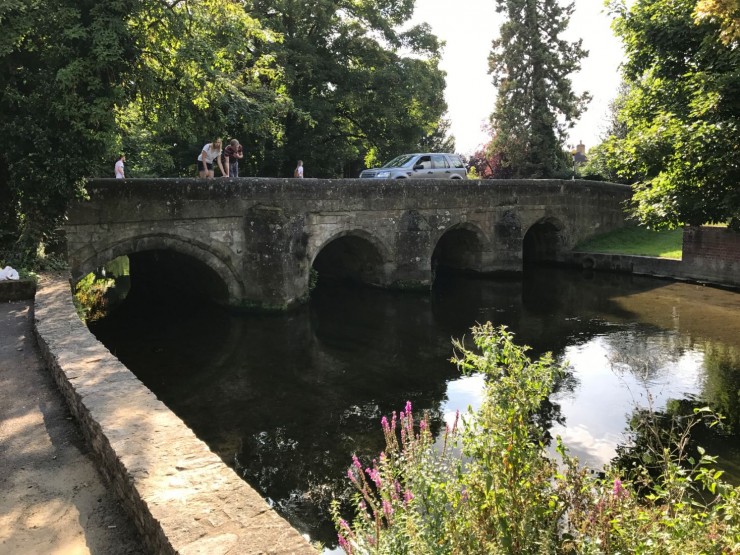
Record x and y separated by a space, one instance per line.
53 499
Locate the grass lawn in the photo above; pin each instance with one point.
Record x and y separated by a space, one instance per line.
637 240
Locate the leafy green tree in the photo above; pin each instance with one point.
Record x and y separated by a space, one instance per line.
362 90
682 113
530 64
727 12
206 70
60 80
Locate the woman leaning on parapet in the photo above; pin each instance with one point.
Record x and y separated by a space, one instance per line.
209 153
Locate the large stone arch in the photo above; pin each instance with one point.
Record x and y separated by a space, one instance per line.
218 262
461 247
359 256
544 240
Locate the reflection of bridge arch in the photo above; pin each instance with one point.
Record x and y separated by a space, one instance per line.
543 240
460 248
354 255
197 250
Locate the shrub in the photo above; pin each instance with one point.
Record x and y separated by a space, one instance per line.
488 485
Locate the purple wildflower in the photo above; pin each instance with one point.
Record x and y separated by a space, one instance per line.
356 462
384 423
345 545
387 509
374 475
619 490
407 496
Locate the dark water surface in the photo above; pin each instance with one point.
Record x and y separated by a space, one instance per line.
287 400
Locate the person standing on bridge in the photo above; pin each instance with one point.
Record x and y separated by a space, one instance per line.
298 171
209 153
119 167
232 154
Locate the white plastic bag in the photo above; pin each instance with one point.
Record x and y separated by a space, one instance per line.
8 273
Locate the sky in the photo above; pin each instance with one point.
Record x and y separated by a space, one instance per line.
469 26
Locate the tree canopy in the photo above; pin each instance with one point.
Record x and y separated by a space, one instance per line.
336 82
682 115
530 64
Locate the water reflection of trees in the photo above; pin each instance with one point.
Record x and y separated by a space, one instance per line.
721 387
651 434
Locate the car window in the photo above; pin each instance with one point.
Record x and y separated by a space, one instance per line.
399 161
456 162
425 162
439 161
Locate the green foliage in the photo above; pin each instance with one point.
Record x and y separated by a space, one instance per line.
490 487
329 81
530 64
682 114
359 85
205 71
89 297
638 241
59 84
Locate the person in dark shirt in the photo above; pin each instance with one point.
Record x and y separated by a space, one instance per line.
232 154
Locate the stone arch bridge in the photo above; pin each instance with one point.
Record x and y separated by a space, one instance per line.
251 242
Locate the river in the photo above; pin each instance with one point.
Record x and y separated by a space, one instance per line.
287 399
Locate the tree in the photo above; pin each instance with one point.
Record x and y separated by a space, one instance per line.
530 65
489 164
60 80
362 90
207 69
601 162
727 12
682 114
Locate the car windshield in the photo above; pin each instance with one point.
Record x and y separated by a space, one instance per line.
400 161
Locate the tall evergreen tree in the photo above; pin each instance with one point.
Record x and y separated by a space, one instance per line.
530 65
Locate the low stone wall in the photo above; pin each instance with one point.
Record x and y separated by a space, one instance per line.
711 255
17 290
643 265
182 497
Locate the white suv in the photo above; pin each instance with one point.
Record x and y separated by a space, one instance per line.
424 165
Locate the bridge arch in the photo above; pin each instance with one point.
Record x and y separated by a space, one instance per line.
460 247
353 255
544 240
216 262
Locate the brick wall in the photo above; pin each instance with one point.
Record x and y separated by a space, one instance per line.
711 254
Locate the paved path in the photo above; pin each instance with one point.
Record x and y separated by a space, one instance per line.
52 499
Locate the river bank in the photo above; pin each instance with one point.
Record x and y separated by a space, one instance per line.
54 500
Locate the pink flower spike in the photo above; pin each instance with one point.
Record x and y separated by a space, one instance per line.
408 407
356 463
374 476
387 508
407 496
345 545
384 423
619 490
